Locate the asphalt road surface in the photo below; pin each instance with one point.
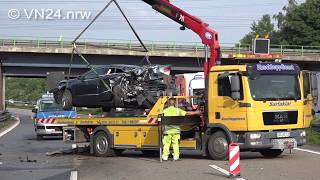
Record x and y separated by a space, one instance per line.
21 144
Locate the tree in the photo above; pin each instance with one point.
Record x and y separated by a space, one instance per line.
263 27
281 16
301 25
25 89
297 24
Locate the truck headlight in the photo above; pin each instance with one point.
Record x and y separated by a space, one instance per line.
303 134
255 136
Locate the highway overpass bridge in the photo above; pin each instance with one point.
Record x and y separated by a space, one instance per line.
36 57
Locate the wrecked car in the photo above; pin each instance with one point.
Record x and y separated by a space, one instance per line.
115 86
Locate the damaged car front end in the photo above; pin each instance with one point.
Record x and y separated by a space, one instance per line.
115 86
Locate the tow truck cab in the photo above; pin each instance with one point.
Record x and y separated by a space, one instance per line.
260 106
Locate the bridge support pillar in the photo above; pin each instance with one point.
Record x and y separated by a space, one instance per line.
2 89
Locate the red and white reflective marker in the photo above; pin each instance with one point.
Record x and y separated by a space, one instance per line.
46 120
234 159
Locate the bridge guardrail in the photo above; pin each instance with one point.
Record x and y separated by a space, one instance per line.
230 48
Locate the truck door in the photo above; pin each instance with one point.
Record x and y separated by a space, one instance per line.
305 77
229 112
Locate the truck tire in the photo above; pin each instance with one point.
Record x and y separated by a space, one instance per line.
271 153
218 146
66 100
102 144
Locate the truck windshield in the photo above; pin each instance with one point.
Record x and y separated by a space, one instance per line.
50 106
275 87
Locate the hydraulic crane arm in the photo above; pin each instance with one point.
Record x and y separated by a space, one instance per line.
208 36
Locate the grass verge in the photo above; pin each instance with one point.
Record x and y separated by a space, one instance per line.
313 133
5 124
313 136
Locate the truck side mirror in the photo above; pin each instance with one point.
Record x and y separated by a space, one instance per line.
34 110
235 87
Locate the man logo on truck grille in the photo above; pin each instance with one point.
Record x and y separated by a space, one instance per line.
281 117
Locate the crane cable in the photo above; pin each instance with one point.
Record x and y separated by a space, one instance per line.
93 20
90 66
74 49
133 30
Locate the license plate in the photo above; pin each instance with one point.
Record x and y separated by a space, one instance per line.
50 130
289 145
283 134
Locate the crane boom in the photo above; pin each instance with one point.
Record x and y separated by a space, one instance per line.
208 36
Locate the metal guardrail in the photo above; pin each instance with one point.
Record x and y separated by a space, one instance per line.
230 48
4 115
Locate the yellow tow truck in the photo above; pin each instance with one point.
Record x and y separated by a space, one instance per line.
264 107
261 106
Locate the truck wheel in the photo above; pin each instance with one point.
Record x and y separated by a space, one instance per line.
271 153
67 100
101 144
218 146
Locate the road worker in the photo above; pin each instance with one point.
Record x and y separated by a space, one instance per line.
171 134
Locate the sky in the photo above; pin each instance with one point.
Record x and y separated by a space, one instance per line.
230 18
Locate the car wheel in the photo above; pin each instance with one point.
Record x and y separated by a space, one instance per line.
102 144
218 146
67 100
58 97
271 153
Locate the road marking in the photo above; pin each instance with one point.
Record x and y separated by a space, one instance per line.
12 127
307 150
223 171
220 169
74 175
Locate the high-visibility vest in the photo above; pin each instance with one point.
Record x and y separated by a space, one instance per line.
173 111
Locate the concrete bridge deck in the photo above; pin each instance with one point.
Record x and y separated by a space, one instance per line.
160 49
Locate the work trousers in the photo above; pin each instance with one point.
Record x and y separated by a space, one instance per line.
171 140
